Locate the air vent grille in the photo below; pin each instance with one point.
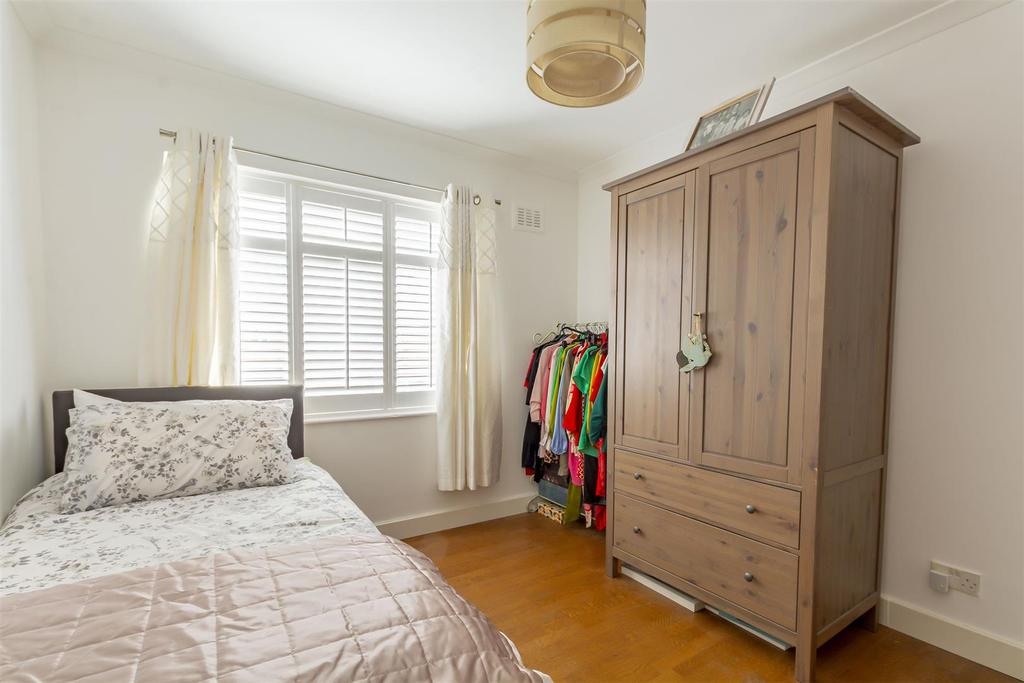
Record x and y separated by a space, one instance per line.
528 220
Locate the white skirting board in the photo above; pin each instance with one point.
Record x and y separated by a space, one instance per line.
970 643
408 527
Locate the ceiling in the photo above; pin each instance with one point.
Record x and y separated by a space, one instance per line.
457 68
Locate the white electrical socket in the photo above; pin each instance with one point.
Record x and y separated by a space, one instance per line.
939 581
958 579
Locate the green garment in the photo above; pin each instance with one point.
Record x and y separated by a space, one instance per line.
586 445
572 504
599 413
556 374
582 378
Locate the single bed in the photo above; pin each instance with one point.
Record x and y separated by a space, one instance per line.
289 582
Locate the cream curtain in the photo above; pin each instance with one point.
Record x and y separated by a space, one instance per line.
192 258
469 373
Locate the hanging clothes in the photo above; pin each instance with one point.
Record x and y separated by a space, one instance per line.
563 440
559 440
531 433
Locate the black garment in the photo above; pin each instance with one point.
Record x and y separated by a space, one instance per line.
531 442
589 479
540 468
531 374
531 433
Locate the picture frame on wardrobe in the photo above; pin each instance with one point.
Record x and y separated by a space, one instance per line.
729 117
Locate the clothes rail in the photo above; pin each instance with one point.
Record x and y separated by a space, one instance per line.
593 327
173 135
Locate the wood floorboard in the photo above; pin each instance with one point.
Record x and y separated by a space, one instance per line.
544 586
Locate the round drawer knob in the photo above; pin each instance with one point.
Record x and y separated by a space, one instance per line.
636 530
637 476
751 509
748 577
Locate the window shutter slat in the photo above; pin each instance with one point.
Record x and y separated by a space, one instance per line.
414 351
416 236
262 215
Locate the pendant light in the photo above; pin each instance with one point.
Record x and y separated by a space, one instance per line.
585 53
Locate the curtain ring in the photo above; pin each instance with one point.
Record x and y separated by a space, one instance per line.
476 200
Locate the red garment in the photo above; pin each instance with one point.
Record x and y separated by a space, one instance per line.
573 419
602 466
600 517
529 366
596 384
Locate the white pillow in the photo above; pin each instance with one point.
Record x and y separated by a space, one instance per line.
84 398
125 452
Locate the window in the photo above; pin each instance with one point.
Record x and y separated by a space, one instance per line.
337 293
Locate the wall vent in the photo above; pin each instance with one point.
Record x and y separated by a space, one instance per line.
527 220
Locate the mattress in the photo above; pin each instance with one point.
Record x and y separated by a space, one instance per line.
39 547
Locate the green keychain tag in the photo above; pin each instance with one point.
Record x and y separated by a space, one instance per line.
696 352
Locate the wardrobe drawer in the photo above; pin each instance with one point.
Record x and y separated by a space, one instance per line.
749 507
752 575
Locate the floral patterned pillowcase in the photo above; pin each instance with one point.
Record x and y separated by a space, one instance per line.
128 452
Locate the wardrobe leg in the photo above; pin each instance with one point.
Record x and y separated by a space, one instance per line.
806 658
613 566
869 620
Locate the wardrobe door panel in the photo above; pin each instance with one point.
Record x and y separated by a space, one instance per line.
654 278
751 233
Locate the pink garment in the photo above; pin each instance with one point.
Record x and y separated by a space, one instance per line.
540 385
575 464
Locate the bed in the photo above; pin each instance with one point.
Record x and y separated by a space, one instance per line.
288 582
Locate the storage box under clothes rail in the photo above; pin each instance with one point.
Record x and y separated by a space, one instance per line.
755 482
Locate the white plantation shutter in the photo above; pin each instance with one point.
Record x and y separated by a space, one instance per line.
343 332
337 293
366 326
263 283
263 214
417 230
415 235
325 324
342 325
263 314
414 350
342 219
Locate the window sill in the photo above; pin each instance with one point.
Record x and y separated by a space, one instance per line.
361 415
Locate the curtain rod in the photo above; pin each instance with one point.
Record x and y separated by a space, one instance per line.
173 134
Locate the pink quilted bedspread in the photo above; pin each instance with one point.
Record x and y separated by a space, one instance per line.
343 608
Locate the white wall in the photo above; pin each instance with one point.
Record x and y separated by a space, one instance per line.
21 277
956 451
101 108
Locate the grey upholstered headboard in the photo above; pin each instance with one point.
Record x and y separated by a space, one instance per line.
63 402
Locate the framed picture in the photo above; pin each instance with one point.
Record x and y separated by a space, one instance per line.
730 117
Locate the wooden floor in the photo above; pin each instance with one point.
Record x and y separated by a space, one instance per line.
544 586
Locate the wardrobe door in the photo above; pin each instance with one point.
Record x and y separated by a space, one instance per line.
655 234
750 283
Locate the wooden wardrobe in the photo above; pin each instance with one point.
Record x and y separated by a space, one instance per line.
756 483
